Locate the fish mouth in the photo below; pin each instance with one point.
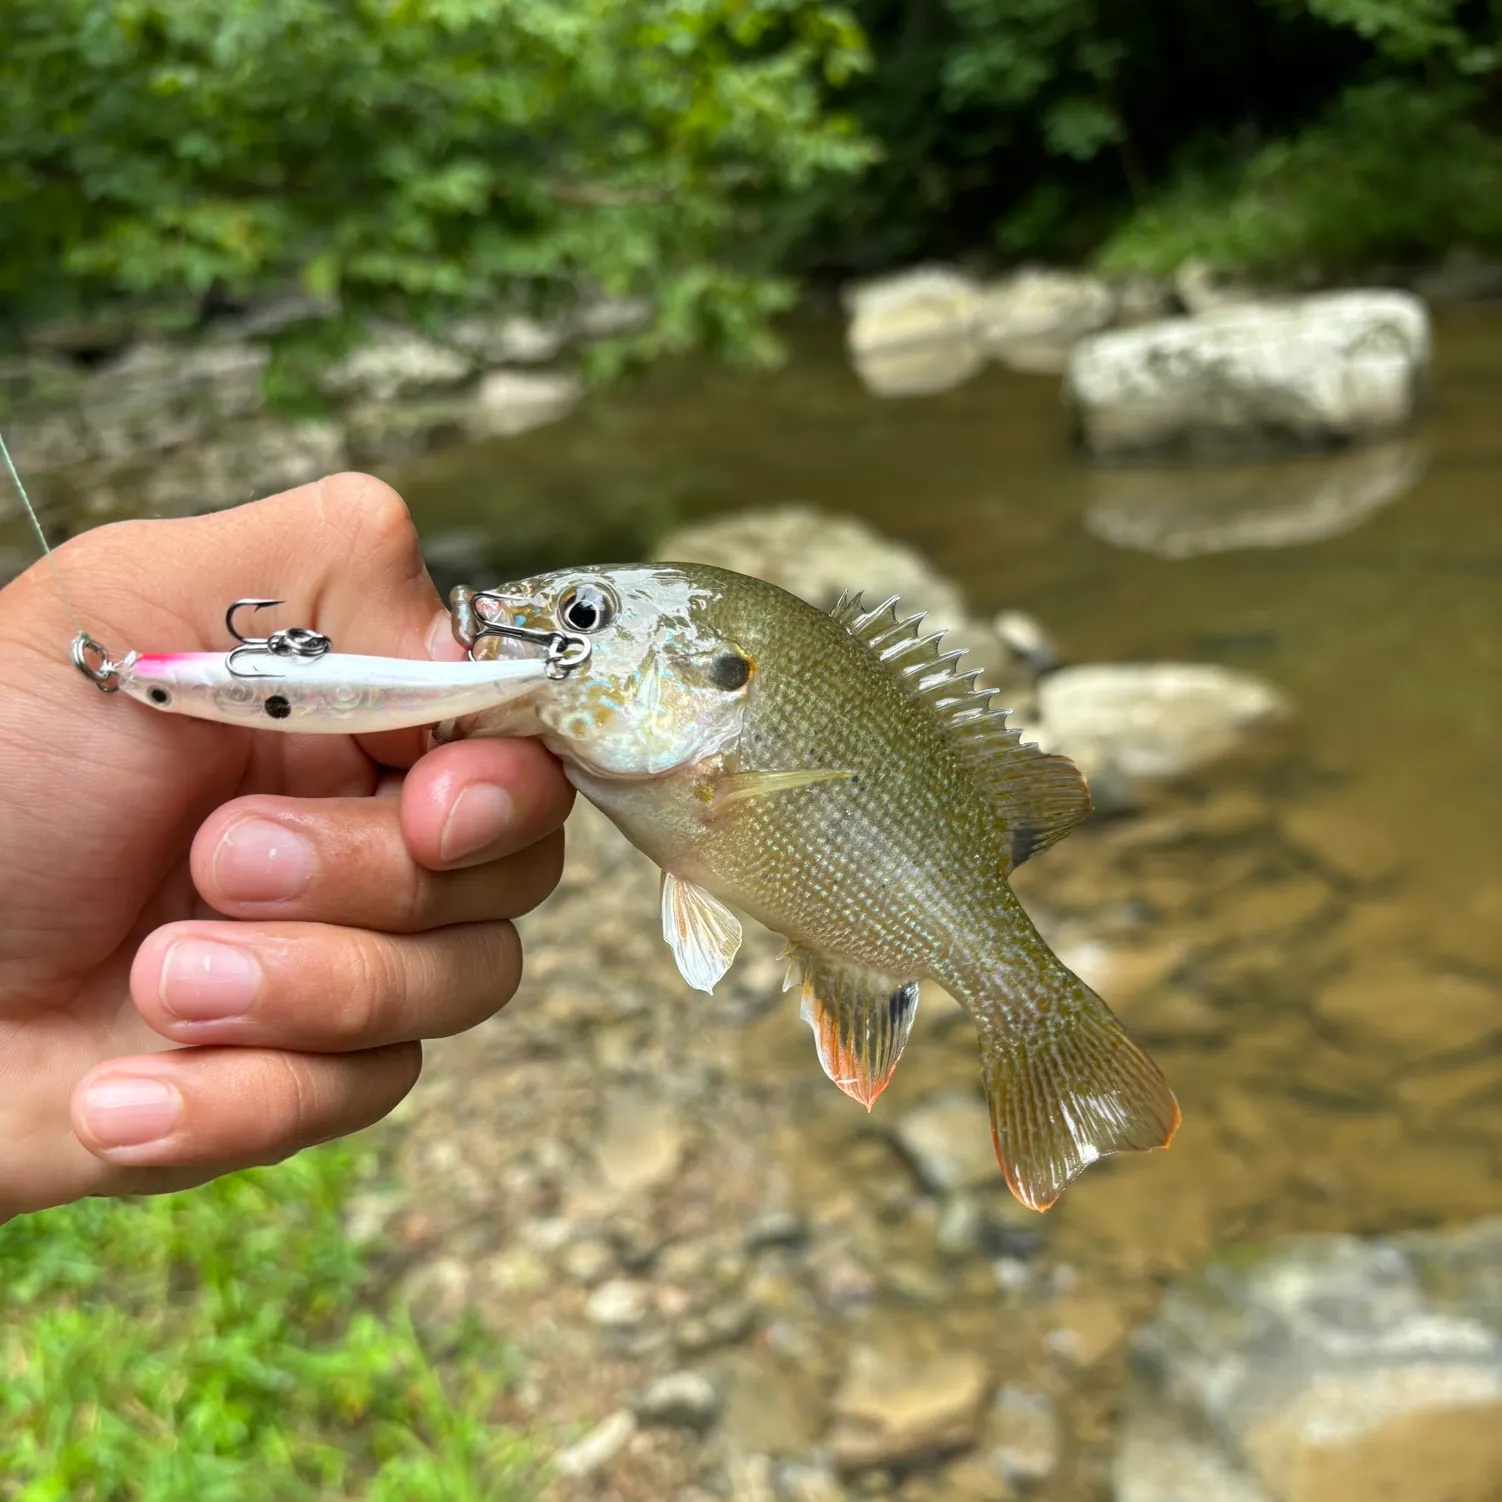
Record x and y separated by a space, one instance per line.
506 626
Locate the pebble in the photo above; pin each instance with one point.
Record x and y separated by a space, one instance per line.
947 1138
890 1407
974 1479
774 1229
1412 1009
620 1303
685 1400
806 1483
1023 1432
599 1447
1012 1274
958 1233
588 1262
750 1478
1088 1327
1346 842
640 1144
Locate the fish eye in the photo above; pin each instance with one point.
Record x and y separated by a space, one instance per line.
586 608
730 671
158 696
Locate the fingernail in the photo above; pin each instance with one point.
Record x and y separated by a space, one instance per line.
261 861
208 982
481 815
126 1112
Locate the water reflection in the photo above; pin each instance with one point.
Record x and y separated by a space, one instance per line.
1182 513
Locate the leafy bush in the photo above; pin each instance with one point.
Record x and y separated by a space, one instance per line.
1037 128
1389 174
416 156
213 1346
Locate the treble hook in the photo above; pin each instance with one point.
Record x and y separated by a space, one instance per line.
563 650
290 641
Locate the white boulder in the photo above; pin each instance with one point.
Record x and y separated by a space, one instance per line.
1323 370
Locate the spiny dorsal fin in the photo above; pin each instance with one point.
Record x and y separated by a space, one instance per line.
1041 796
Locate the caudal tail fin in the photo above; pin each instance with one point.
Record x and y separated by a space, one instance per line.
1067 1086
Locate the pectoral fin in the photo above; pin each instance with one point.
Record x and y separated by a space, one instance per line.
736 787
703 932
860 1020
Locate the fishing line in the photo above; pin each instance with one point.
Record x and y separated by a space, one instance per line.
36 526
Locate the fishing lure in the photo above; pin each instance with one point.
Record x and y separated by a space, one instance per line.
293 680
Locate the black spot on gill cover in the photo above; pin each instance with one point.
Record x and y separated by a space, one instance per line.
278 707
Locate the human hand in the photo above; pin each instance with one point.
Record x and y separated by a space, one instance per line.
360 889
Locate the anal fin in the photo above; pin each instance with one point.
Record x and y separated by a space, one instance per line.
860 1019
1066 1087
703 933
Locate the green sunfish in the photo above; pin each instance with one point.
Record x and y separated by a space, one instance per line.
835 777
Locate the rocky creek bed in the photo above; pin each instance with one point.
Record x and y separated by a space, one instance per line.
723 1279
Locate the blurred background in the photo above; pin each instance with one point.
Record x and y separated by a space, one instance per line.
1156 350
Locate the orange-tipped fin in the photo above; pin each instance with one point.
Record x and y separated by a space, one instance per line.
860 1020
1066 1088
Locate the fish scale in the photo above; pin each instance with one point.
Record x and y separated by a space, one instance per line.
839 779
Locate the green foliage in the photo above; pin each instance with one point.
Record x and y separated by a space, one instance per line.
212 1346
1036 128
416 157
1390 174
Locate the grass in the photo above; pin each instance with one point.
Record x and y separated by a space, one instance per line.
228 1344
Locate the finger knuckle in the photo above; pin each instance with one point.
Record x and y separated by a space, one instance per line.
370 514
296 1104
371 986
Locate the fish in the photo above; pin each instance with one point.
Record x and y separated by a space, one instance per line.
836 777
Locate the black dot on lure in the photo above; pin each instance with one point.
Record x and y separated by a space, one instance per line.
730 671
278 706
159 696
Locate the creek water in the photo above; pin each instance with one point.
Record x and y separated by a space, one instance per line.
1389 637
1311 946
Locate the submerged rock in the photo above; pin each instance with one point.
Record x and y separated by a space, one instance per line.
1152 720
890 1408
1023 1434
1323 370
1326 1369
1031 319
1179 513
947 1138
640 1144
818 557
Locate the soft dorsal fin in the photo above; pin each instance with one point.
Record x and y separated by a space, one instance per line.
1042 796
